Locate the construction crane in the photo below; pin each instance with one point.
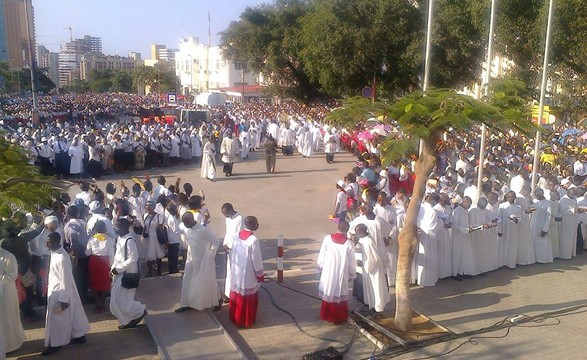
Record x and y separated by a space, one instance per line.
70 32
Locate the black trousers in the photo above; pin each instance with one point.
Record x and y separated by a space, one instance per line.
329 157
227 168
172 257
81 274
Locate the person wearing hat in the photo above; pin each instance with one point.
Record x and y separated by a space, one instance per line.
76 154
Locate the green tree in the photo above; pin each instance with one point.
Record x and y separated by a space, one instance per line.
22 188
268 39
122 81
346 44
426 116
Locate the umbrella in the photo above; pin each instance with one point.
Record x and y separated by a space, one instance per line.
384 127
379 131
364 135
570 132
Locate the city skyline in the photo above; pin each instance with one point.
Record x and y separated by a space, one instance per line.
128 26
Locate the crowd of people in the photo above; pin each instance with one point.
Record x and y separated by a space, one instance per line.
82 249
463 231
94 243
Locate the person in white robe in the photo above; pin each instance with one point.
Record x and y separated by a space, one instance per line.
196 145
375 291
385 211
443 236
307 144
569 222
336 263
123 305
11 332
540 227
554 231
66 321
463 262
491 245
199 289
526 254
76 153
378 229
234 224
245 139
427 254
477 222
208 170
510 214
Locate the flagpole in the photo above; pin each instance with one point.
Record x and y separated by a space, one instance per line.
427 56
486 80
542 95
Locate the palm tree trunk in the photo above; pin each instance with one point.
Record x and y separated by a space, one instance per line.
408 237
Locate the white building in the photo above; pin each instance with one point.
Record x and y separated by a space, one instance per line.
203 68
499 66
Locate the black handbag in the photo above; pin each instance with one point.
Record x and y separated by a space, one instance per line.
161 235
129 280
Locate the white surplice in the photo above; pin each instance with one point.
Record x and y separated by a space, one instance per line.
234 224
526 254
508 242
427 255
539 222
11 332
462 248
246 265
337 263
61 327
199 289
375 291
444 241
570 220
122 301
77 156
555 227
491 240
477 218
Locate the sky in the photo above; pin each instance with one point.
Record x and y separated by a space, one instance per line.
133 25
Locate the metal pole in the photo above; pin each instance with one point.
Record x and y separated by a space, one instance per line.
428 46
542 95
427 57
486 92
35 112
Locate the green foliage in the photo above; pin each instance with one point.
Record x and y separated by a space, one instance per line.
348 43
356 110
13 81
21 196
160 78
268 39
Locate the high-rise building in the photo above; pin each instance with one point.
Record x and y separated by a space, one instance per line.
167 54
15 15
85 45
71 56
49 62
135 55
155 48
92 61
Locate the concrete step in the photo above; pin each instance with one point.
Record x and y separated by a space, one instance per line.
188 335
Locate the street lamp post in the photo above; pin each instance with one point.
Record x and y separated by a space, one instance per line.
536 162
35 112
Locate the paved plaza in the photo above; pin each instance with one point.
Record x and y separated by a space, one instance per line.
295 202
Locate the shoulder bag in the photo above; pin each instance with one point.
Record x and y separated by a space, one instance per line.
129 280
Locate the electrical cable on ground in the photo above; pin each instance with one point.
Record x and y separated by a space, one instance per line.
522 320
345 346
